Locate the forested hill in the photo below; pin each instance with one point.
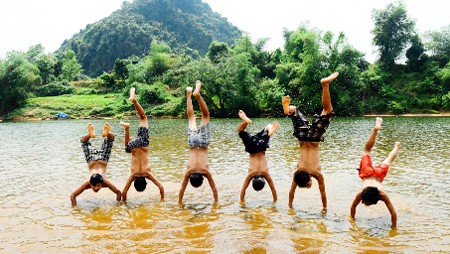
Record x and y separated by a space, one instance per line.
186 26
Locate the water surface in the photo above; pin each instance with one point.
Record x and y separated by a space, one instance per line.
41 164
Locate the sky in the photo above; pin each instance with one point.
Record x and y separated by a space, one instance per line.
24 23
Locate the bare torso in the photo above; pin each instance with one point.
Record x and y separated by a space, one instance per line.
309 157
258 164
97 167
139 161
372 182
198 159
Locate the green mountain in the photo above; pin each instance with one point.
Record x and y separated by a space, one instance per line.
187 26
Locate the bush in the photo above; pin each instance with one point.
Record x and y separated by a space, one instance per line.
55 88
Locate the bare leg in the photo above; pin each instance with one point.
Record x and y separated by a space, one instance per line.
245 121
201 103
272 128
106 129
90 134
371 140
326 98
126 126
392 154
142 116
190 109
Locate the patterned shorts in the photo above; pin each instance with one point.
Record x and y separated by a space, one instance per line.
141 140
255 143
92 154
200 137
310 132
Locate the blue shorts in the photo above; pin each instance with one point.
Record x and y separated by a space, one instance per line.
92 154
141 140
255 143
200 137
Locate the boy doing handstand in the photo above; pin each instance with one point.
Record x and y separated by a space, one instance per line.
256 145
97 161
309 136
138 147
198 141
371 177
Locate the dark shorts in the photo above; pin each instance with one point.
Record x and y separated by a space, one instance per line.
310 132
255 143
140 141
92 154
200 137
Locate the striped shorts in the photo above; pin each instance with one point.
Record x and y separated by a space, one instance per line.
140 141
92 154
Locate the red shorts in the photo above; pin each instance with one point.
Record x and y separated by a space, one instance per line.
367 170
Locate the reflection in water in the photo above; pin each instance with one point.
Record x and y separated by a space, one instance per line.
40 171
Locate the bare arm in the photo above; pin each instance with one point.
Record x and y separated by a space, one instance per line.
291 193
213 186
355 203
272 186
113 189
157 183
77 192
391 209
323 194
127 187
245 186
183 188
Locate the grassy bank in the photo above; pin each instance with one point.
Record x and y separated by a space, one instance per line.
77 106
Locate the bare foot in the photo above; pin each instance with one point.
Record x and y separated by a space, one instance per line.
132 94
198 87
273 128
327 80
125 125
244 117
106 129
189 91
91 130
397 145
378 122
286 101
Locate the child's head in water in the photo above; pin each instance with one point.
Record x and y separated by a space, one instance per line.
370 196
196 179
140 183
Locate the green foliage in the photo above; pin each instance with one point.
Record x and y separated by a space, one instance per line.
186 26
438 42
392 32
55 88
71 69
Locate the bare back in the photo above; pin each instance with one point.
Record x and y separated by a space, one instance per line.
258 164
139 160
97 167
198 159
309 157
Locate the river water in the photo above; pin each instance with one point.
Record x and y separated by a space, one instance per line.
41 164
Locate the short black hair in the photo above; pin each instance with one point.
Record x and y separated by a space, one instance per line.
139 183
370 195
96 179
196 179
258 183
301 178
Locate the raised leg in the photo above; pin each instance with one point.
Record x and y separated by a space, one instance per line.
126 126
245 121
142 116
371 140
326 98
392 154
272 128
190 109
201 103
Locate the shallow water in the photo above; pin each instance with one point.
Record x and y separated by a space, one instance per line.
41 164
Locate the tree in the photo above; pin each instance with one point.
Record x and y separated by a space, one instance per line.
438 43
415 54
393 31
17 75
71 69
